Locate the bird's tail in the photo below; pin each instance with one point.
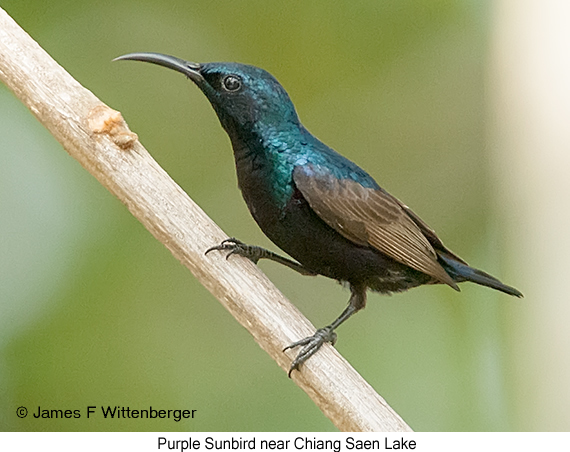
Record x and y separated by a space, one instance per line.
462 272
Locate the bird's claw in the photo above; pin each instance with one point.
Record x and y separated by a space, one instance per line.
234 246
311 345
227 244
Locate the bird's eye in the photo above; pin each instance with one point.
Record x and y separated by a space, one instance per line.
232 83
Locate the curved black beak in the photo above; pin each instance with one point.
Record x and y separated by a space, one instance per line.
191 70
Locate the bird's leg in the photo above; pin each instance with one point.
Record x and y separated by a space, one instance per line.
254 253
327 334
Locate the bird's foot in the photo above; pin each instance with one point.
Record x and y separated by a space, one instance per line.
235 246
254 253
311 345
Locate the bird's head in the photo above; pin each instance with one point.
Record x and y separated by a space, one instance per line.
244 97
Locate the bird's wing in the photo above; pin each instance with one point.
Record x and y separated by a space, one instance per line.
370 217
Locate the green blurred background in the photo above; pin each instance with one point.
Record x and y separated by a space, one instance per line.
96 312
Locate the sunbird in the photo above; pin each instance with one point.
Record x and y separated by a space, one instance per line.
323 210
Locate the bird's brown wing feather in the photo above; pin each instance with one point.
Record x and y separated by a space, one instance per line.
370 217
